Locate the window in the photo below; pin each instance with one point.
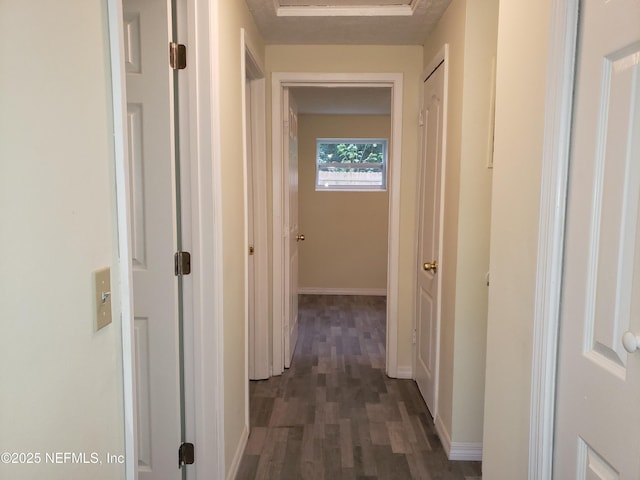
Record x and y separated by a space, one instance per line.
351 164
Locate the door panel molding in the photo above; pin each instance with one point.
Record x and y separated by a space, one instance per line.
281 80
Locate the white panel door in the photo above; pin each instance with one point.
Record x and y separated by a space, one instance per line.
292 236
153 217
598 402
429 238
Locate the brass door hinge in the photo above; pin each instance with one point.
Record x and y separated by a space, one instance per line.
186 454
182 263
177 56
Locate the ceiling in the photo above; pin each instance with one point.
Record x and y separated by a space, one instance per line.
349 22
343 100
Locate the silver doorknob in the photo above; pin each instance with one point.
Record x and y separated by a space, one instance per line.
299 238
631 342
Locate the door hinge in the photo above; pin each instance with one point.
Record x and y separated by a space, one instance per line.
182 263
251 250
414 336
177 56
186 454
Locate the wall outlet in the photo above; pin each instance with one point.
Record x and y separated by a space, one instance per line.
103 297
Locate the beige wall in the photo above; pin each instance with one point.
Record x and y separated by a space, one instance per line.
470 30
233 15
346 232
366 59
522 66
61 380
474 222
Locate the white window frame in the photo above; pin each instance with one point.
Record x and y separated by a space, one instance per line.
354 188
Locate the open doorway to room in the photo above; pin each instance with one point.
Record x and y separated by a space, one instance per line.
343 199
348 249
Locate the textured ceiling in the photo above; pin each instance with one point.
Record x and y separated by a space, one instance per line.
309 26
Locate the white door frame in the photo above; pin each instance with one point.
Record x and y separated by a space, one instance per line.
282 80
203 335
553 191
253 76
441 57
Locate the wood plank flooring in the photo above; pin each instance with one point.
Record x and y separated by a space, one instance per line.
335 414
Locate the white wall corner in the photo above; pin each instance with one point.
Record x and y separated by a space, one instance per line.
237 457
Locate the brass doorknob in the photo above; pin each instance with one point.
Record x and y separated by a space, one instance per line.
299 238
431 266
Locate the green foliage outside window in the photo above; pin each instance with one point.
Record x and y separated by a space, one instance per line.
350 153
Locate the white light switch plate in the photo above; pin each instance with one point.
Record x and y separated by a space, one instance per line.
103 297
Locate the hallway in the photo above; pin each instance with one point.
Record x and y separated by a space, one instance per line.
335 414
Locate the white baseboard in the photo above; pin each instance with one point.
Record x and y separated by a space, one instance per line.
465 451
405 372
378 292
237 457
443 434
469 452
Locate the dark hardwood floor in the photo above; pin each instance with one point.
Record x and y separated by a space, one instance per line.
335 414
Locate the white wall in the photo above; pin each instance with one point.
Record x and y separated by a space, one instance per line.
522 66
346 232
61 380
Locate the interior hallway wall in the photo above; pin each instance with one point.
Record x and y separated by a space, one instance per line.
346 232
366 59
233 15
61 380
523 39
470 29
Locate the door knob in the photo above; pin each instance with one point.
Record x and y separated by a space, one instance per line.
631 342
299 238
431 266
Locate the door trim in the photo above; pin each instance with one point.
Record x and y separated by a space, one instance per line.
441 57
282 80
553 191
123 212
203 335
253 75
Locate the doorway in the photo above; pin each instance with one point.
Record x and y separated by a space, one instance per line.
429 235
281 83
257 276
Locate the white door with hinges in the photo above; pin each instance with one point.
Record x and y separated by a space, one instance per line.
426 324
598 391
154 226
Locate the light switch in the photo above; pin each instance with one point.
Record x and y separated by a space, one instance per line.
103 297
